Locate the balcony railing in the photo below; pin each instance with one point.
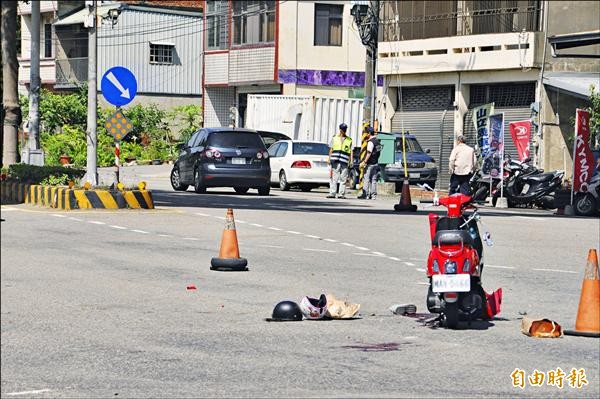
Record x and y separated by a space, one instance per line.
407 20
71 72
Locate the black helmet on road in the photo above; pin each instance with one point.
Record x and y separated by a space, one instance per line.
343 127
286 311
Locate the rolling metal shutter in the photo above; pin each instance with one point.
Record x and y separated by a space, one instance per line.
428 114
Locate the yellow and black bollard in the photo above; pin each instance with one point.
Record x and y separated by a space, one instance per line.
363 155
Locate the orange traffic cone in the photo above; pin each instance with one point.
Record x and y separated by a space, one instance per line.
229 254
588 314
405 204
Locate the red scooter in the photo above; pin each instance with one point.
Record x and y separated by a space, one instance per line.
455 264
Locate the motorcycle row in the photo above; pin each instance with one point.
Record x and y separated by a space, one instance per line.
525 185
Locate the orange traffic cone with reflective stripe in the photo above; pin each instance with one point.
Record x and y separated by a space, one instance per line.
229 254
588 314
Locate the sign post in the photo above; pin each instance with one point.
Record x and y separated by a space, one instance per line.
495 155
119 88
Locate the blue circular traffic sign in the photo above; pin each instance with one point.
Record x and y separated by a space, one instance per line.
118 86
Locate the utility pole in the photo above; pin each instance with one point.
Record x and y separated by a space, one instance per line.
92 103
11 111
32 154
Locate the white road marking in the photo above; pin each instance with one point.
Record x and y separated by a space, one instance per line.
347 244
530 218
318 250
422 283
378 253
409 264
362 248
392 258
220 217
420 269
275 228
76 219
293 232
201 214
241 221
256 225
365 254
555 270
499 267
270 246
191 238
6 209
140 231
54 214
165 235
118 227
311 236
418 259
27 392
95 222
329 240
329 213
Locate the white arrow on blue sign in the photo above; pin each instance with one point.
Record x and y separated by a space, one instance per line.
118 86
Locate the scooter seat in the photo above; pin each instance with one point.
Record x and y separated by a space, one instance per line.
453 237
539 178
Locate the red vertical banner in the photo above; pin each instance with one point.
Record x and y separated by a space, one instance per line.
521 136
583 159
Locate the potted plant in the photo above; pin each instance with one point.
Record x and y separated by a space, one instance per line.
65 159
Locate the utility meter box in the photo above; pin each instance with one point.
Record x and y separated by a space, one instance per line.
388 150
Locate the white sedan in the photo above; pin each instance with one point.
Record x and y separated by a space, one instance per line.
299 163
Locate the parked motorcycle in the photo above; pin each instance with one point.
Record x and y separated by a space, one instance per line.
587 203
455 264
526 185
480 185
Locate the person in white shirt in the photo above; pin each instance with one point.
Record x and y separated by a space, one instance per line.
462 166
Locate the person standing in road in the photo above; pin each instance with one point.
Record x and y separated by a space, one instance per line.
371 163
340 156
462 166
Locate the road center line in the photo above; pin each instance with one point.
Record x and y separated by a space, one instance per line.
275 228
118 227
330 240
377 253
409 264
28 392
165 235
201 214
347 244
393 258
365 254
555 270
270 246
311 236
95 222
422 283
293 232
191 238
318 250
57 215
76 219
420 269
362 248
140 231
256 225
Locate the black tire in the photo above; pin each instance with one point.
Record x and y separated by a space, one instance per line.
241 190
585 205
176 180
198 186
306 187
264 190
451 316
283 183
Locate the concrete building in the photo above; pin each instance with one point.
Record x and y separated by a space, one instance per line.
160 44
278 47
442 59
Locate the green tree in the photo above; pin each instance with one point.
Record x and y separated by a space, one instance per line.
191 118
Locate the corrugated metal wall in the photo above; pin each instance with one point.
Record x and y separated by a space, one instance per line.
128 44
305 117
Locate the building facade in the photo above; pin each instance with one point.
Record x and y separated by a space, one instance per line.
440 60
277 47
160 44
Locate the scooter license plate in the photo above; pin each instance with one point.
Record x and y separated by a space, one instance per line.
451 283
525 188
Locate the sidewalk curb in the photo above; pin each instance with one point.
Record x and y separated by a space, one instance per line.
67 199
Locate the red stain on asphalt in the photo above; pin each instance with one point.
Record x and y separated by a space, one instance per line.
191 287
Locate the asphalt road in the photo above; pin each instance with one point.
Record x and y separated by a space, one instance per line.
94 303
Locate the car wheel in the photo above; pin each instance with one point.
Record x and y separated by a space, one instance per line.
283 183
306 187
241 190
264 190
198 186
176 180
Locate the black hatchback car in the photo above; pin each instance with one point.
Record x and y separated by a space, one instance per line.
223 157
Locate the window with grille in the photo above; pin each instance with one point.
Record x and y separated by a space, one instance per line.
328 24
161 53
253 22
216 25
47 40
503 95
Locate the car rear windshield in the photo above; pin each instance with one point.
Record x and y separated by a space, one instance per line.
310 149
235 139
412 145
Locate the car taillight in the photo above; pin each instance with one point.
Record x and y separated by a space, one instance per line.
262 154
301 164
210 153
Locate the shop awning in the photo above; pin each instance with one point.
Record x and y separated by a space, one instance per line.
576 83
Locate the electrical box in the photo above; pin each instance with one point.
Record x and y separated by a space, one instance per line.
388 150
